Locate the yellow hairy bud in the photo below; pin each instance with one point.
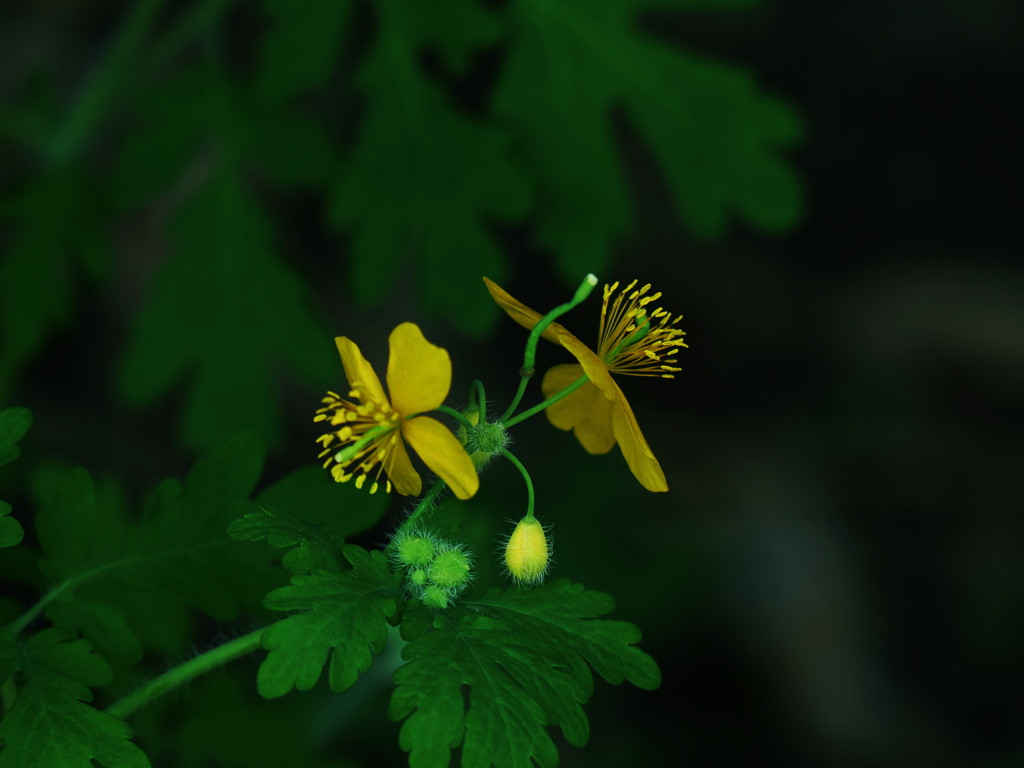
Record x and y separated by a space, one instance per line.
527 555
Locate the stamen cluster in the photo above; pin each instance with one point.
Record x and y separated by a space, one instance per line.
632 340
367 433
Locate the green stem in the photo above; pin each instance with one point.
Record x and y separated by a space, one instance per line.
19 624
529 355
183 673
523 381
478 400
526 478
426 501
459 417
550 401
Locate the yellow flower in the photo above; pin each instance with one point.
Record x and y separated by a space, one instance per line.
527 555
370 431
631 341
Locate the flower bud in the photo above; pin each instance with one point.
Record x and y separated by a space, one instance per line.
450 569
527 555
413 549
437 597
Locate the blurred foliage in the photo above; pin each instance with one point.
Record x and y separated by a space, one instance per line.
189 180
420 132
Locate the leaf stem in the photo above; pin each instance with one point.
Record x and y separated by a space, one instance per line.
183 673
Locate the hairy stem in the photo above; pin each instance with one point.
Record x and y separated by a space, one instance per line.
183 673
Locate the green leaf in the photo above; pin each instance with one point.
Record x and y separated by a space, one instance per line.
50 723
11 532
525 656
248 316
301 46
314 548
178 552
343 617
9 654
310 493
420 185
38 267
14 423
717 139
231 338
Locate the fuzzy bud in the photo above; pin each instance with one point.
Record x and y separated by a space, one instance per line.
450 569
414 549
436 597
527 555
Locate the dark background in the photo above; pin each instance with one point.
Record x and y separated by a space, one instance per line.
836 576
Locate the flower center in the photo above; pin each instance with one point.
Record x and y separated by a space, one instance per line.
366 434
634 340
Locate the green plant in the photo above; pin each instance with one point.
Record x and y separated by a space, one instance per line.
525 653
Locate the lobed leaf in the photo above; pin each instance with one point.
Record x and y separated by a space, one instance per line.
526 658
103 569
342 618
248 311
717 139
315 549
50 722
421 182
300 47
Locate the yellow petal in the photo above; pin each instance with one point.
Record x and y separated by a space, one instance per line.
518 311
400 471
358 370
528 318
635 450
586 411
419 373
443 453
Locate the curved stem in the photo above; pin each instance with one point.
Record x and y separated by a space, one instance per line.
550 401
526 478
523 381
459 417
478 399
529 355
183 673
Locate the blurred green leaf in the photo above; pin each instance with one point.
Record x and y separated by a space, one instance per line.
14 423
301 46
56 221
50 723
716 138
420 185
248 316
246 312
525 655
343 617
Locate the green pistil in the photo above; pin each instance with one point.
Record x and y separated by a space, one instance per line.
345 455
